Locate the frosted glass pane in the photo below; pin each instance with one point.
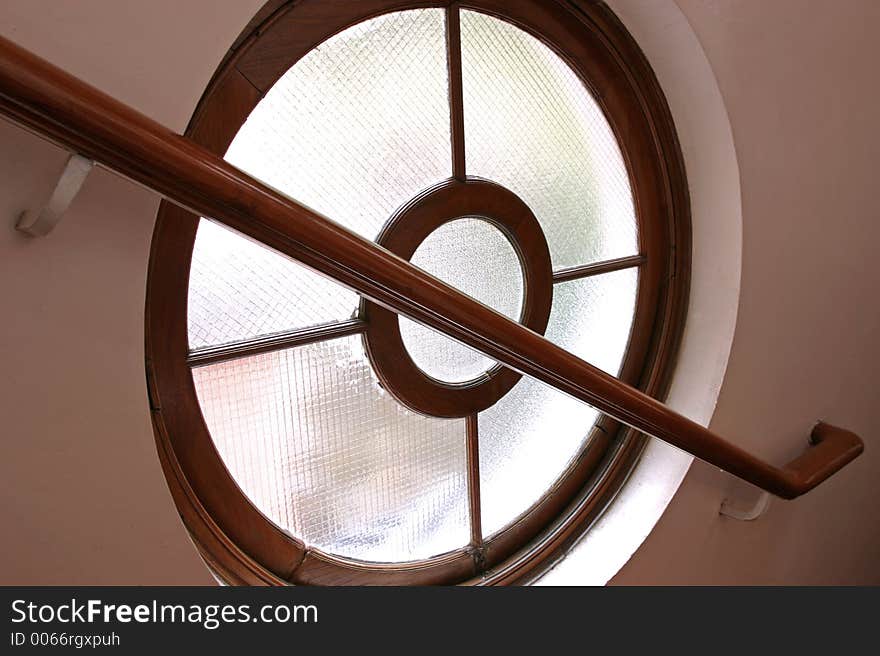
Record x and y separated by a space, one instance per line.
360 124
532 126
475 257
354 129
320 449
530 436
239 289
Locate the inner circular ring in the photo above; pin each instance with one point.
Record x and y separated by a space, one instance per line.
402 235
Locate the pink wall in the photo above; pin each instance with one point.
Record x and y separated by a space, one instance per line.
83 498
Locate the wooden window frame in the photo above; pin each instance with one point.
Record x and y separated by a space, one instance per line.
239 543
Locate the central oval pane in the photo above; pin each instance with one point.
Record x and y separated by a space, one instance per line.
474 256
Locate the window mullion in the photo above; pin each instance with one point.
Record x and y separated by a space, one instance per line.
456 92
473 466
597 268
276 342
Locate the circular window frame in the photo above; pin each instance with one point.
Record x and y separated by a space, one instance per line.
237 541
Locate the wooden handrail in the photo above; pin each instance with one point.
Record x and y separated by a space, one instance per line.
62 108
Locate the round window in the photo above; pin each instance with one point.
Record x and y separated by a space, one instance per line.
522 154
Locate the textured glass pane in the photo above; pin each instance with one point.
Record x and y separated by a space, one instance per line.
532 126
354 129
319 447
475 257
359 125
239 289
530 436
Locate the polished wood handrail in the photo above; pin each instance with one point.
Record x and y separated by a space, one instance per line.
62 108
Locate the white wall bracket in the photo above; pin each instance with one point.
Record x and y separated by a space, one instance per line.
746 502
40 222
735 508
